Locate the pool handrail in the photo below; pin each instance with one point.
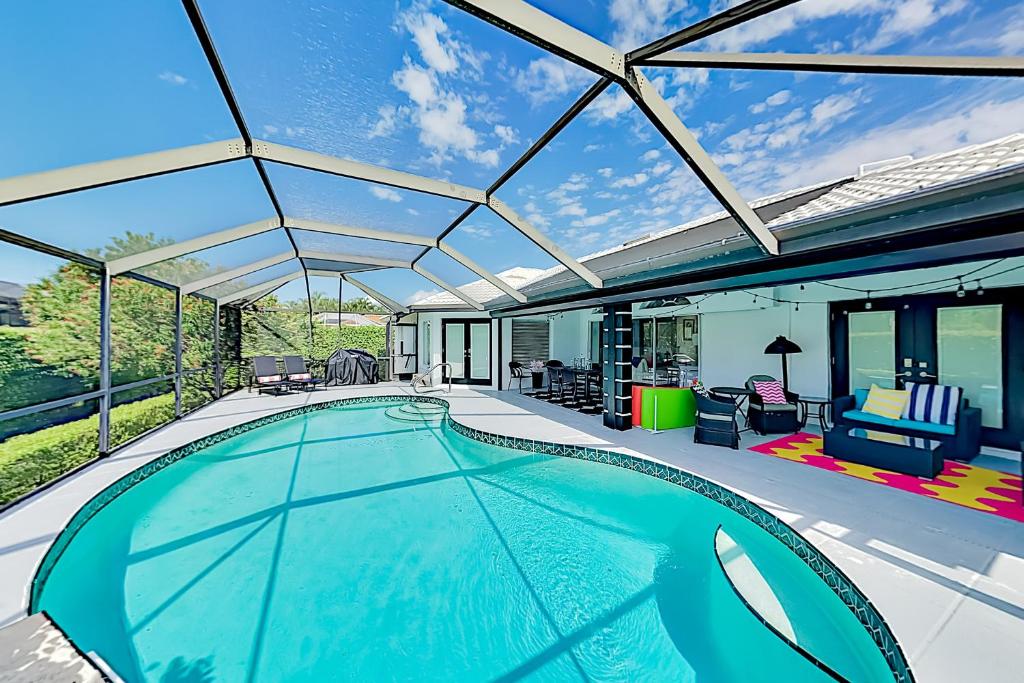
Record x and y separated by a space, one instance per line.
423 379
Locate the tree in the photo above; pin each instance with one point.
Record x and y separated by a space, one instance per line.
63 313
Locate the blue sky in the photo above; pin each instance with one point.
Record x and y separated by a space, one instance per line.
424 88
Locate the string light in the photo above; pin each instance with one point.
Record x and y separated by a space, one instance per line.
981 289
960 291
867 304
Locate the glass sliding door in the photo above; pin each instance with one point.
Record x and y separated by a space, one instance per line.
872 349
455 350
480 351
970 355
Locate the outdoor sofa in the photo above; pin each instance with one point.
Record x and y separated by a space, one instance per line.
960 440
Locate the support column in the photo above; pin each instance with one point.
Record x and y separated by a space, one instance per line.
104 441
177 352
616 361
217 374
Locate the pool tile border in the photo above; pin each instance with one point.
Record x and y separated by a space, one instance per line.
834 578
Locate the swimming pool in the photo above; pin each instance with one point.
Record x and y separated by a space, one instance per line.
340 544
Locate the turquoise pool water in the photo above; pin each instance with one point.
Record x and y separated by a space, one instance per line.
344 545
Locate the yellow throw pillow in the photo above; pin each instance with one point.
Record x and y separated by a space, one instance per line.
886 402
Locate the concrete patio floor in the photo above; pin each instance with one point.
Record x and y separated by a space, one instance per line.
949 580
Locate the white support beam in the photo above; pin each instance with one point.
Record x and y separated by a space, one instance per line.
313 272
256 289
868 64
213 239
97 174
547 32
354 258
685 143
543 241
375 295
444 285
224 276
482 272
314 161
354 231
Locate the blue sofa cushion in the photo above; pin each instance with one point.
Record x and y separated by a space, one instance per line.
931 427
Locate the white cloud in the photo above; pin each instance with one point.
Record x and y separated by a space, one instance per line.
487 157
426 30
834 109
610 105
571 209
419 295
418 83
412 212
549 78
606 172
661 168
774 100
477 232
386 124
640 21
599 219
440 114
172 78
592 147
270 130
911 17
1011 40
385 193
538 220
774 24
650 155
953 127
635 180
507 134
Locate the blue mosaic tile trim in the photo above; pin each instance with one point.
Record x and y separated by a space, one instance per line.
834 578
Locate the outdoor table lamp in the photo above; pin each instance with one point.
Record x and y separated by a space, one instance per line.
782 346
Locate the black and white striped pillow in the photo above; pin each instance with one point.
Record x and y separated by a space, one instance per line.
935 403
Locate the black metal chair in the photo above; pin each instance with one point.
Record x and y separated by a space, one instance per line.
298 374
267 377
516 372
554 370
772 418
716 422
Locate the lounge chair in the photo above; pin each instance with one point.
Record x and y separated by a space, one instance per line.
267 377
772 418
298 374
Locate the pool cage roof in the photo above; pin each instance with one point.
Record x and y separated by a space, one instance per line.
277 247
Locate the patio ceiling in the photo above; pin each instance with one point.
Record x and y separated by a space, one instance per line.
324 243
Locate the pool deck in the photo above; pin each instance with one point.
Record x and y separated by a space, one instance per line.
949 580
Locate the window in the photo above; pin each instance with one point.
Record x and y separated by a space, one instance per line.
530 341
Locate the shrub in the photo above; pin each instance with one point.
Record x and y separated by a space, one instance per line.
30 460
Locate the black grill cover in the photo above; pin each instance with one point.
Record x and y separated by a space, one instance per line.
351 366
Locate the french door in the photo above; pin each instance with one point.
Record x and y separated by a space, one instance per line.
466 346
973 342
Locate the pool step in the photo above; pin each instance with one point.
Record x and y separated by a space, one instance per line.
416 412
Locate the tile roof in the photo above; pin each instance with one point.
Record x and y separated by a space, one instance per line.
483 291
912 175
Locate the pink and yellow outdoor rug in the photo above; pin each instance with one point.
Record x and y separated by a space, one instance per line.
978 488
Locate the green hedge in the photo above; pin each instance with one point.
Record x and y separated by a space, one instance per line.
30 460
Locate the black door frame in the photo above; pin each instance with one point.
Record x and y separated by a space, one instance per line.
916 331
466 322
